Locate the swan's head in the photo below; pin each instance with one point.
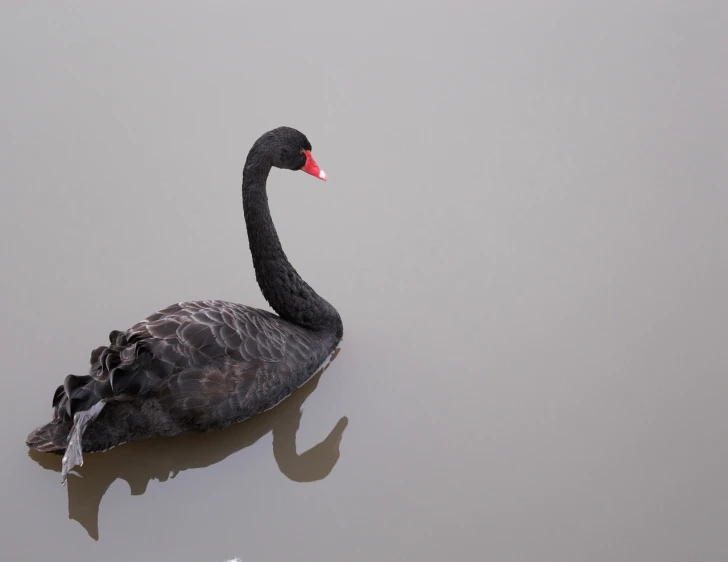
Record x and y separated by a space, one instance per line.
289 149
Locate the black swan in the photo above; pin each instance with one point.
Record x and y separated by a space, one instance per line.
203 365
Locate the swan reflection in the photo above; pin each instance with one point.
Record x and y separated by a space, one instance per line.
159 459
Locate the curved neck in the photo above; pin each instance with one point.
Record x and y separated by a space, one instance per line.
284 289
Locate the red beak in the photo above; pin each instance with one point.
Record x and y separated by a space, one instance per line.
310 167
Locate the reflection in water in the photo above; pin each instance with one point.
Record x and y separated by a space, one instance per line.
141 461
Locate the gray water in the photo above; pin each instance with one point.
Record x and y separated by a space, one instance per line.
524 230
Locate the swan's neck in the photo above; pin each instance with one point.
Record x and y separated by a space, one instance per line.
284 289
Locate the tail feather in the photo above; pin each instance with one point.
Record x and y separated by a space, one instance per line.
120 372
74 450
50 438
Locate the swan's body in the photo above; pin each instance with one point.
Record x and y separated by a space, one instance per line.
206 364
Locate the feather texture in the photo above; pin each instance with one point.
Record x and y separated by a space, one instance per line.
206 364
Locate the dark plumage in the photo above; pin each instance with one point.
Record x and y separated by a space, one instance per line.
206 364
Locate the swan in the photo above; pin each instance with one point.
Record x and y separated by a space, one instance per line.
204 365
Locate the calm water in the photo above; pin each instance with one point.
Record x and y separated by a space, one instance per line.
525 231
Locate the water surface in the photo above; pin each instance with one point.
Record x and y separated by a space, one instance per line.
524 230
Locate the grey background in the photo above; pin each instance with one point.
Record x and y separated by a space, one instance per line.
524 230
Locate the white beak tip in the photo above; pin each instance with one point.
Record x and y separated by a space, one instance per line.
322 175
